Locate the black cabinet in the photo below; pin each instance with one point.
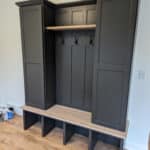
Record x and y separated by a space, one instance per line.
84 69
113 58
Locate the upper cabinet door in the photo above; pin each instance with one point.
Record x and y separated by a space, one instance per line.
113 57
32 34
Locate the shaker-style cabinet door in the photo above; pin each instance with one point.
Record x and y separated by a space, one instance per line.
31 21
113 58
34 85
32 43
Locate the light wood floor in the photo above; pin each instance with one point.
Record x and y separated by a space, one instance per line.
13 137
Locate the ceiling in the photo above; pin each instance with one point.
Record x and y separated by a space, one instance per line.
64 1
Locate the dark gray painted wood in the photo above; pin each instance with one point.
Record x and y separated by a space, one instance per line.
34 85
49 57
74 68
121 144
34 2
82 70
92 140
114 48
29 119
77 82
38 54
63 16
89 60
47 125
63 68
31 25
68 132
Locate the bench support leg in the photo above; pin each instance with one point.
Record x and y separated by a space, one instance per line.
92 140
68 131
47 125
121 144
29 119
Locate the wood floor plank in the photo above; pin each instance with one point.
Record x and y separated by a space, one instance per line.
13 137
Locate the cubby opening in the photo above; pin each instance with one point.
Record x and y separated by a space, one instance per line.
72 130
32 119
98 140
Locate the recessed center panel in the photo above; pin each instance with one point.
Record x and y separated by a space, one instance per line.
74 68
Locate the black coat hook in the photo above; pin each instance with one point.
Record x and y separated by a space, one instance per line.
91 41
76 40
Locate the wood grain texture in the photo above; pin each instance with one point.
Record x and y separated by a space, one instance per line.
13 137
72 27
75 117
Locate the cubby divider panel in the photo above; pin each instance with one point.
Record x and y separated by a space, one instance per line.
92 140
68 132
47 125
29 119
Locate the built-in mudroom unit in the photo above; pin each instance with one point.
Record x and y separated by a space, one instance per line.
77 60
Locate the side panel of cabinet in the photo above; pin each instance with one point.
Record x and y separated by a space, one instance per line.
32 42
113 58
49 57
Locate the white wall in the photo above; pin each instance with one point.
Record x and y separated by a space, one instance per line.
11 71
139 104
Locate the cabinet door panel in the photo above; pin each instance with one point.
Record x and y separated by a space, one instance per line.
63 73
109 94
112 66
78 16
32 34
91 16
63 16
78 63
34 85
89 53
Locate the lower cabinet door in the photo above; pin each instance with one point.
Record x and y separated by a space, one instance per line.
34 85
